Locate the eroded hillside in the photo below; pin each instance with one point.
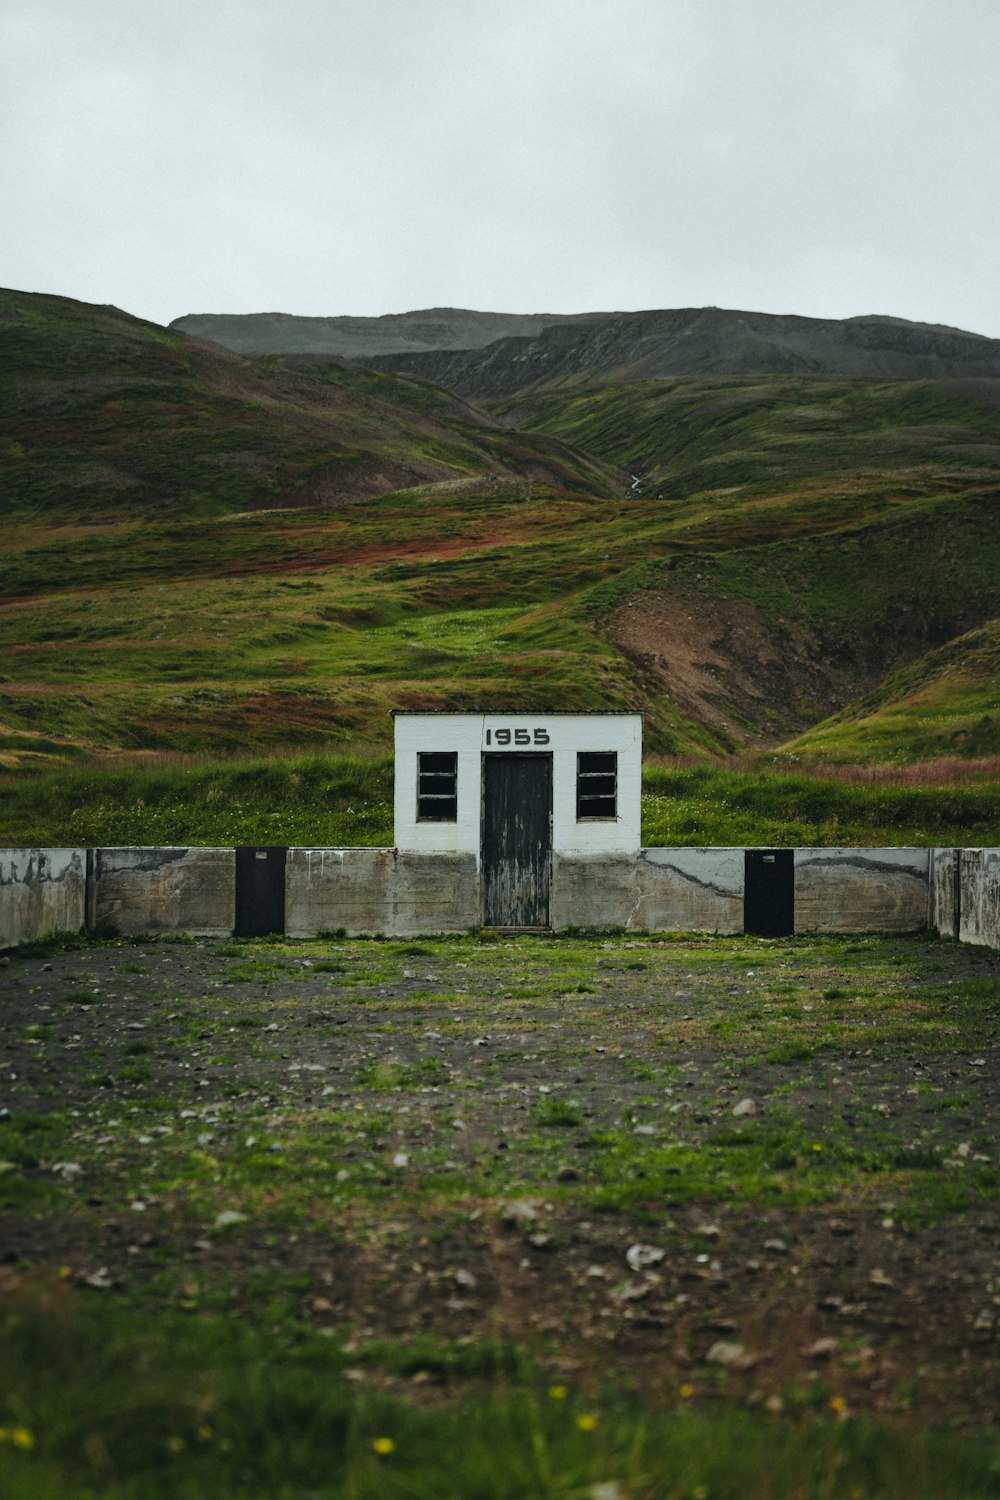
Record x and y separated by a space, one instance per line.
763 642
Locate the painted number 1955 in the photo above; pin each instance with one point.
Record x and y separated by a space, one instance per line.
517 736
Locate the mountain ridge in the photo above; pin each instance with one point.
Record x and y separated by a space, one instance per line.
347 337
705 341
487 356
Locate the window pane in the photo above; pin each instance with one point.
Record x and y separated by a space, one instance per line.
436 781
437 760
591 761
437 809
598 786
596 807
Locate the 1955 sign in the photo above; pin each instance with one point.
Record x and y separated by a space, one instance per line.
517 736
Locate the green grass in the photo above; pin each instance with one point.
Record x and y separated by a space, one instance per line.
327 800
308 627
343 802
770 805
843 448
346 801
100 1402
944 705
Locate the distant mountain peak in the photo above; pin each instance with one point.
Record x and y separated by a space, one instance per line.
347 337
490 354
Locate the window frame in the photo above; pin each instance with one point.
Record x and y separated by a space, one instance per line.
427 797
591 774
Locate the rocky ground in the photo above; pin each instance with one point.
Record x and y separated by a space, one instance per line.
760 1170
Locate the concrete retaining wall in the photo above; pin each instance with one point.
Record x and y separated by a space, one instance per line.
658 890
41 891
979 896
861 890
379 890
944 892
165 890
965 895
402 893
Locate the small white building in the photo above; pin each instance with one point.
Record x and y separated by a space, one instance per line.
514 789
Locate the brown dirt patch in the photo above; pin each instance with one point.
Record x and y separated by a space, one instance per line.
724 667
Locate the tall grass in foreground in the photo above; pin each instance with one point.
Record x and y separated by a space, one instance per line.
98 1401
346 800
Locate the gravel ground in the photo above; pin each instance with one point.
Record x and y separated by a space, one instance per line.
762 1171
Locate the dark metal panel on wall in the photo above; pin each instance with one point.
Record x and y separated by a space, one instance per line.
517 839
260 891
769 892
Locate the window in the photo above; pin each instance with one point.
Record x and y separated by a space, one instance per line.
437 778
597 784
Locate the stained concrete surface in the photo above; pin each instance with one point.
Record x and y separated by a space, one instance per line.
41 891
861 890
165 890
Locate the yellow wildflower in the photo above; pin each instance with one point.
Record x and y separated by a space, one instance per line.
383 1446
587 1422
23 1438
687 1391
558 1392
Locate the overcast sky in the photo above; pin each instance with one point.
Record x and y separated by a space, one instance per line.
825 157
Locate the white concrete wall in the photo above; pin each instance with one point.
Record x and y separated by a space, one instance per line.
473 735
980 896
165 890
658 890
42 891
861 890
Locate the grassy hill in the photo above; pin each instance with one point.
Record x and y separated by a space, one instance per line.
206 556
944 705
823 449
105 416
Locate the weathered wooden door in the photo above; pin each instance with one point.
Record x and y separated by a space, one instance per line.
260 891
517 840
769 892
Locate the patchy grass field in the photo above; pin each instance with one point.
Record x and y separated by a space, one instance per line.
611 1216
